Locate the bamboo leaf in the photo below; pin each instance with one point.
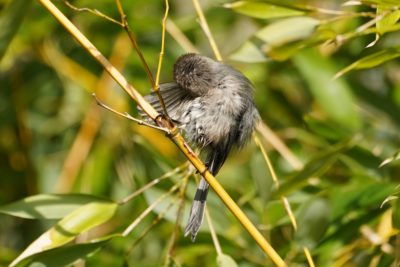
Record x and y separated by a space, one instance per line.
78 221
371 60
48 206
224 260
262 10
286 31
63 256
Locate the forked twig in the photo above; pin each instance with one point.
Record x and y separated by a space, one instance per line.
124 24
154 85
132 226
153 182
129 117
93 11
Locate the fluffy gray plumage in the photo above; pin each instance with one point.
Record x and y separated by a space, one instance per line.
213 104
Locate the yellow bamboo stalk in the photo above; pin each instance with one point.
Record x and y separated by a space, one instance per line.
206 30
175 135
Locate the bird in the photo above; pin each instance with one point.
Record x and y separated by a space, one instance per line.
212 103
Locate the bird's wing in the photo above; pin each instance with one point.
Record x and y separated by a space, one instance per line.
175 98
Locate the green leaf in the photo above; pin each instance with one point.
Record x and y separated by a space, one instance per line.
10 20
48 206
313 168
286 31
261 176
388 20
389 160
78 221
392 3
224 260
326 129
262 10
250 53
334 96
372 60
313 221
62 256
280 40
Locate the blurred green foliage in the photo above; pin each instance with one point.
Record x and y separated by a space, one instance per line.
327 79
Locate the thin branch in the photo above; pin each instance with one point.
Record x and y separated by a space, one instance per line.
125 25
160 59
179 213
309 257
279 145
128 116
284 200
153 183
132 226
214 236
147 230
93 11
206 29
180 38
372 22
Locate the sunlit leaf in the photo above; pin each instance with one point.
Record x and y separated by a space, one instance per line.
262 10
224 260
388 20
280 40
372 60
48 206
393 196
389 160
382 2
286 31
250 53
62 256
333 96
75 223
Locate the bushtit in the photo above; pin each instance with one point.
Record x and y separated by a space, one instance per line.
213 104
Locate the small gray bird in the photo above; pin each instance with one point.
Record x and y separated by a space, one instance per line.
213 104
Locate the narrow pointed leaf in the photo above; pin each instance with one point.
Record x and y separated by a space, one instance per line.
62 256
48 206
75 223
262 10
371 60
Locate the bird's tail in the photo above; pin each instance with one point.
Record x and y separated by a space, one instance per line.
197 210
